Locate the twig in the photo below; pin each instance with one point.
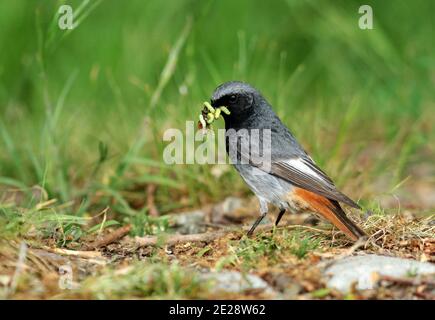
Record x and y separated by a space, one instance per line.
20 266
202 237
152 209
361 242
417 281
109 238
180 238
426 296
75 253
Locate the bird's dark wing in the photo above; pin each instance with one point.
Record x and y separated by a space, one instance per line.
304 173
289 161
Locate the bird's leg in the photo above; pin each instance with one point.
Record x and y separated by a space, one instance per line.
263 212
280 214
256 223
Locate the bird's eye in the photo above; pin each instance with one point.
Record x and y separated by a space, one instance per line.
232 99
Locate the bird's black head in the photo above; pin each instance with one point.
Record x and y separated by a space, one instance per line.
238 97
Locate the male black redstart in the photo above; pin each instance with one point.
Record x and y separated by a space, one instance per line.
291 180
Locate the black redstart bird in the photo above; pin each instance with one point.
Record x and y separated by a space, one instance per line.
288 178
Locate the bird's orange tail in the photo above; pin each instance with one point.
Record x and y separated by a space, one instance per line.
332 211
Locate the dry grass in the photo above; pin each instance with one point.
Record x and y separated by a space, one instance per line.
287 258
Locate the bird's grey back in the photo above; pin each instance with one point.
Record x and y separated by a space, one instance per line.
262 117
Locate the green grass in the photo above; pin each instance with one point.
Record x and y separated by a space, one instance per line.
248 253
83 111
155 281
302 245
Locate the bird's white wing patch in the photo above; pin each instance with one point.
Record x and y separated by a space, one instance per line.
300 165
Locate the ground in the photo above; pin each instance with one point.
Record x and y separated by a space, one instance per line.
288 258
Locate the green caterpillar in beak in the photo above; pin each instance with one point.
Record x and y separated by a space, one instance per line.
209 114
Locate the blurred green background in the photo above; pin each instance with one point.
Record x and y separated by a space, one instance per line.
83 111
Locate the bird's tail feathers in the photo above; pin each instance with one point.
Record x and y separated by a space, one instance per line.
332 211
